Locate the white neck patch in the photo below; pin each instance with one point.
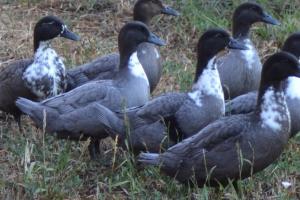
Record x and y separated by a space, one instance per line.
136 67
293 88
271 103
208 84
156 53
249 54
46 65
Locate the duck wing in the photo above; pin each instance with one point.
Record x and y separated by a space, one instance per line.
102 92
162 107
242 104
221 135
101 68
12 85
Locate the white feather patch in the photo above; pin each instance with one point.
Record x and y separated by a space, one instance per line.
249 54
156 53
47 64
136 67
270 115
293 88
208 84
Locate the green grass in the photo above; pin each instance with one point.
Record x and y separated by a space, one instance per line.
34 166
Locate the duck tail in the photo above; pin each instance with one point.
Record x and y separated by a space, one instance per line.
26 106
33 109
149 158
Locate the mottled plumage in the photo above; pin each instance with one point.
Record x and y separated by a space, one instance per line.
246 103
237 146
37 78
187 113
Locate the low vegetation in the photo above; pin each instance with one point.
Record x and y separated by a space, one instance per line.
37 166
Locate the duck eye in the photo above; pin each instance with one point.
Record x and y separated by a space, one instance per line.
49 23
218 35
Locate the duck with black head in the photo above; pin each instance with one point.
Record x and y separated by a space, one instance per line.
246 103
40 77
187 113
129 88
240 70
235 147
106 67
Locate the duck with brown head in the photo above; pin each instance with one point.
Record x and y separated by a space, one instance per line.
106 67
236 147
40 77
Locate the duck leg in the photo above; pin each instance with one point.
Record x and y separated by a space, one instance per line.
237 189
94 148
18 120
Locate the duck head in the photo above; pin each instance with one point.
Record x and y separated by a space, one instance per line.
210 44
50 27
145 10
279 67
216 40
133 34
276 69
247 14
292 44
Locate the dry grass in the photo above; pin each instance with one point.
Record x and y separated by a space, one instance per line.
43 168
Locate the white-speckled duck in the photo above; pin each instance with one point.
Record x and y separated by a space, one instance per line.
237 146
40 77
246 102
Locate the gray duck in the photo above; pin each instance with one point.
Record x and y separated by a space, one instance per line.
129 88
106 67
239 70
237 146
246 103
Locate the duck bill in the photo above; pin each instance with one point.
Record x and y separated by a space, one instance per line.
69 35
169 11
154 39
234 44
269 19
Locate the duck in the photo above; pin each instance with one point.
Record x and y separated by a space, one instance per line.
239 69
185 113
212 156
246 103
38 78
129 88
97 122
106 67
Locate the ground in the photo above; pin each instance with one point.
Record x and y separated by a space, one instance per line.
38 166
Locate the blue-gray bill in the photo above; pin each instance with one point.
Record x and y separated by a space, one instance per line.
70 35
169 11
156 40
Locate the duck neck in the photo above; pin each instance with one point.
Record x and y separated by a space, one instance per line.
38 44
240 29
207 79
138 16
271 105
125 55
41 48
204 63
